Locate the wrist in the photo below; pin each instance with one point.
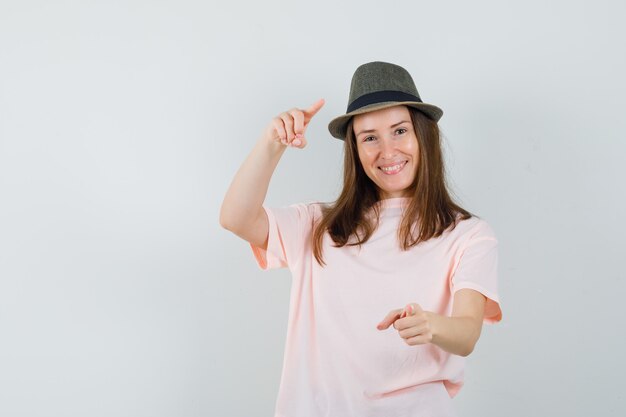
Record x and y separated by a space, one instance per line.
433 324
271 144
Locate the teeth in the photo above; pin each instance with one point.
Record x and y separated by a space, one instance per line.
393 168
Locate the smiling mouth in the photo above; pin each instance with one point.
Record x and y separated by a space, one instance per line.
393 169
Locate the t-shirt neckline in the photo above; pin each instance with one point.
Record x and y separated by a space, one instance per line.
394 202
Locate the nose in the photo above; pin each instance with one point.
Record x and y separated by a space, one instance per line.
387 148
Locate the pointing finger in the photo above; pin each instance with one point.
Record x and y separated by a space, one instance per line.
389 319
311 111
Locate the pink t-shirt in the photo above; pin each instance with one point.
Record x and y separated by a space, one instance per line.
337 363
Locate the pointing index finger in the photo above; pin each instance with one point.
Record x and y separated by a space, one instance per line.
315 107
389 319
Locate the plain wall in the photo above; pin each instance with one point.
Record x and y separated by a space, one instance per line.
122 124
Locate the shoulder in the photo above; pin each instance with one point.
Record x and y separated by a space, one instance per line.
474 228
315 209
303 211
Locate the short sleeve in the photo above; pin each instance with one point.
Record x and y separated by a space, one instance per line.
285 242
478 269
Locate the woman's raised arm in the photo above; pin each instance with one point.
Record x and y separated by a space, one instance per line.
242 212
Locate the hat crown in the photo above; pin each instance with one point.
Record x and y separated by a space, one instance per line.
377 76
378 85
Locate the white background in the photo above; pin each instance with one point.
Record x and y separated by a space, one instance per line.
123 122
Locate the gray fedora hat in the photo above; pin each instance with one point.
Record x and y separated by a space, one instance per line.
378 85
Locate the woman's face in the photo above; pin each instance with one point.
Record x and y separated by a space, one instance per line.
388 149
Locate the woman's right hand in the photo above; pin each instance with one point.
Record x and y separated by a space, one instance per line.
288 127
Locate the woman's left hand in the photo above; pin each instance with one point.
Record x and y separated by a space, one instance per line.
414 325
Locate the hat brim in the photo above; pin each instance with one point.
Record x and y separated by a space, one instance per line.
337 126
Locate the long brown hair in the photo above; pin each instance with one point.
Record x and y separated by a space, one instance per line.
429 213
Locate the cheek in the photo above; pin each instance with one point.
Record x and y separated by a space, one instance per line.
366 155
412 149
412 146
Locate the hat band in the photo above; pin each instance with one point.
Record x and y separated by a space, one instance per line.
380 97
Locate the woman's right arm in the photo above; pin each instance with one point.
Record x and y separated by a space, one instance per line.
242 209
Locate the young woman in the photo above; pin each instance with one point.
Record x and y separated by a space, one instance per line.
393 280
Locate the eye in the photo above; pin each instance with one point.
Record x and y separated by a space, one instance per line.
401 131
367 138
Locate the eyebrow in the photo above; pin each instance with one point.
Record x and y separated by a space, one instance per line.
374 130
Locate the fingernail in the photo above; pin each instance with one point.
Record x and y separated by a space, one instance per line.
297 142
